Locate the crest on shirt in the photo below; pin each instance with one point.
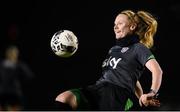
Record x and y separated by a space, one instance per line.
124 49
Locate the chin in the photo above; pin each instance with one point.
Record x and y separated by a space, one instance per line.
118 37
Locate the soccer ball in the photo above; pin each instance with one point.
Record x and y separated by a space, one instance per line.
64 43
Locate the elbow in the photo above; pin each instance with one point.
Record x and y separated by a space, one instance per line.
160 71
159 74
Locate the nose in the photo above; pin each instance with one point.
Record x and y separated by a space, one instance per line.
115 27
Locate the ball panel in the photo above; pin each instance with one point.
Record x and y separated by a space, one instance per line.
64 43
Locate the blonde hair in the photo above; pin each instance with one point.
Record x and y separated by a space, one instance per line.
146 26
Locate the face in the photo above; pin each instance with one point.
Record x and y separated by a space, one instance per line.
122 26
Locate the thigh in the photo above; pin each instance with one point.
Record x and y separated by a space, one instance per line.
112 97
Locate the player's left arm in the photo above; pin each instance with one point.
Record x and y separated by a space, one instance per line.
156 71
138 90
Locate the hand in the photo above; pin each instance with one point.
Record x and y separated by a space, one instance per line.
148 100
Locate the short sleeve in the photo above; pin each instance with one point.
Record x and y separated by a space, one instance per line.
143 54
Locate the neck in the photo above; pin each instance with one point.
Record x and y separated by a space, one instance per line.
128 40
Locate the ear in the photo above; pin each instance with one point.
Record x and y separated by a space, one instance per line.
133 26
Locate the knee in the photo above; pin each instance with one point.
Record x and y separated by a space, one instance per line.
67 97
63 97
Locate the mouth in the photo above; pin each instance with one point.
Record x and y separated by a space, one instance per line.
117 32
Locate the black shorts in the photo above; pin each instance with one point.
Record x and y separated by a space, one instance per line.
103 96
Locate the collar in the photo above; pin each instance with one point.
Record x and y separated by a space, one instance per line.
128 40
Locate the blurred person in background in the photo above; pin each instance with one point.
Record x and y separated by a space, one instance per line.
12 74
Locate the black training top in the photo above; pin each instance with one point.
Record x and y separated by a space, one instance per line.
125 63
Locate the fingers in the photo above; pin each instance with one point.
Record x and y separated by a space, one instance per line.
148 100
154 102
143 100
140 102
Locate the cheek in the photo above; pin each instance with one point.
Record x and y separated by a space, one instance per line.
125 30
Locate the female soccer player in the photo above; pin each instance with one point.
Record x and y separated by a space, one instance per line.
122 69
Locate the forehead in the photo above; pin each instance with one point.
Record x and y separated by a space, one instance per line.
121 17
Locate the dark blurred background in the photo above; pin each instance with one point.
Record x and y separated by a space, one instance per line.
30 25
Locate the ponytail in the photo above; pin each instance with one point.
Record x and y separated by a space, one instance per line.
147 28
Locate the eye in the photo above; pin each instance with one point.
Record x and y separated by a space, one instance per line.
119 23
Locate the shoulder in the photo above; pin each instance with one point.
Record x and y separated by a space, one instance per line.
140 47
114 48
